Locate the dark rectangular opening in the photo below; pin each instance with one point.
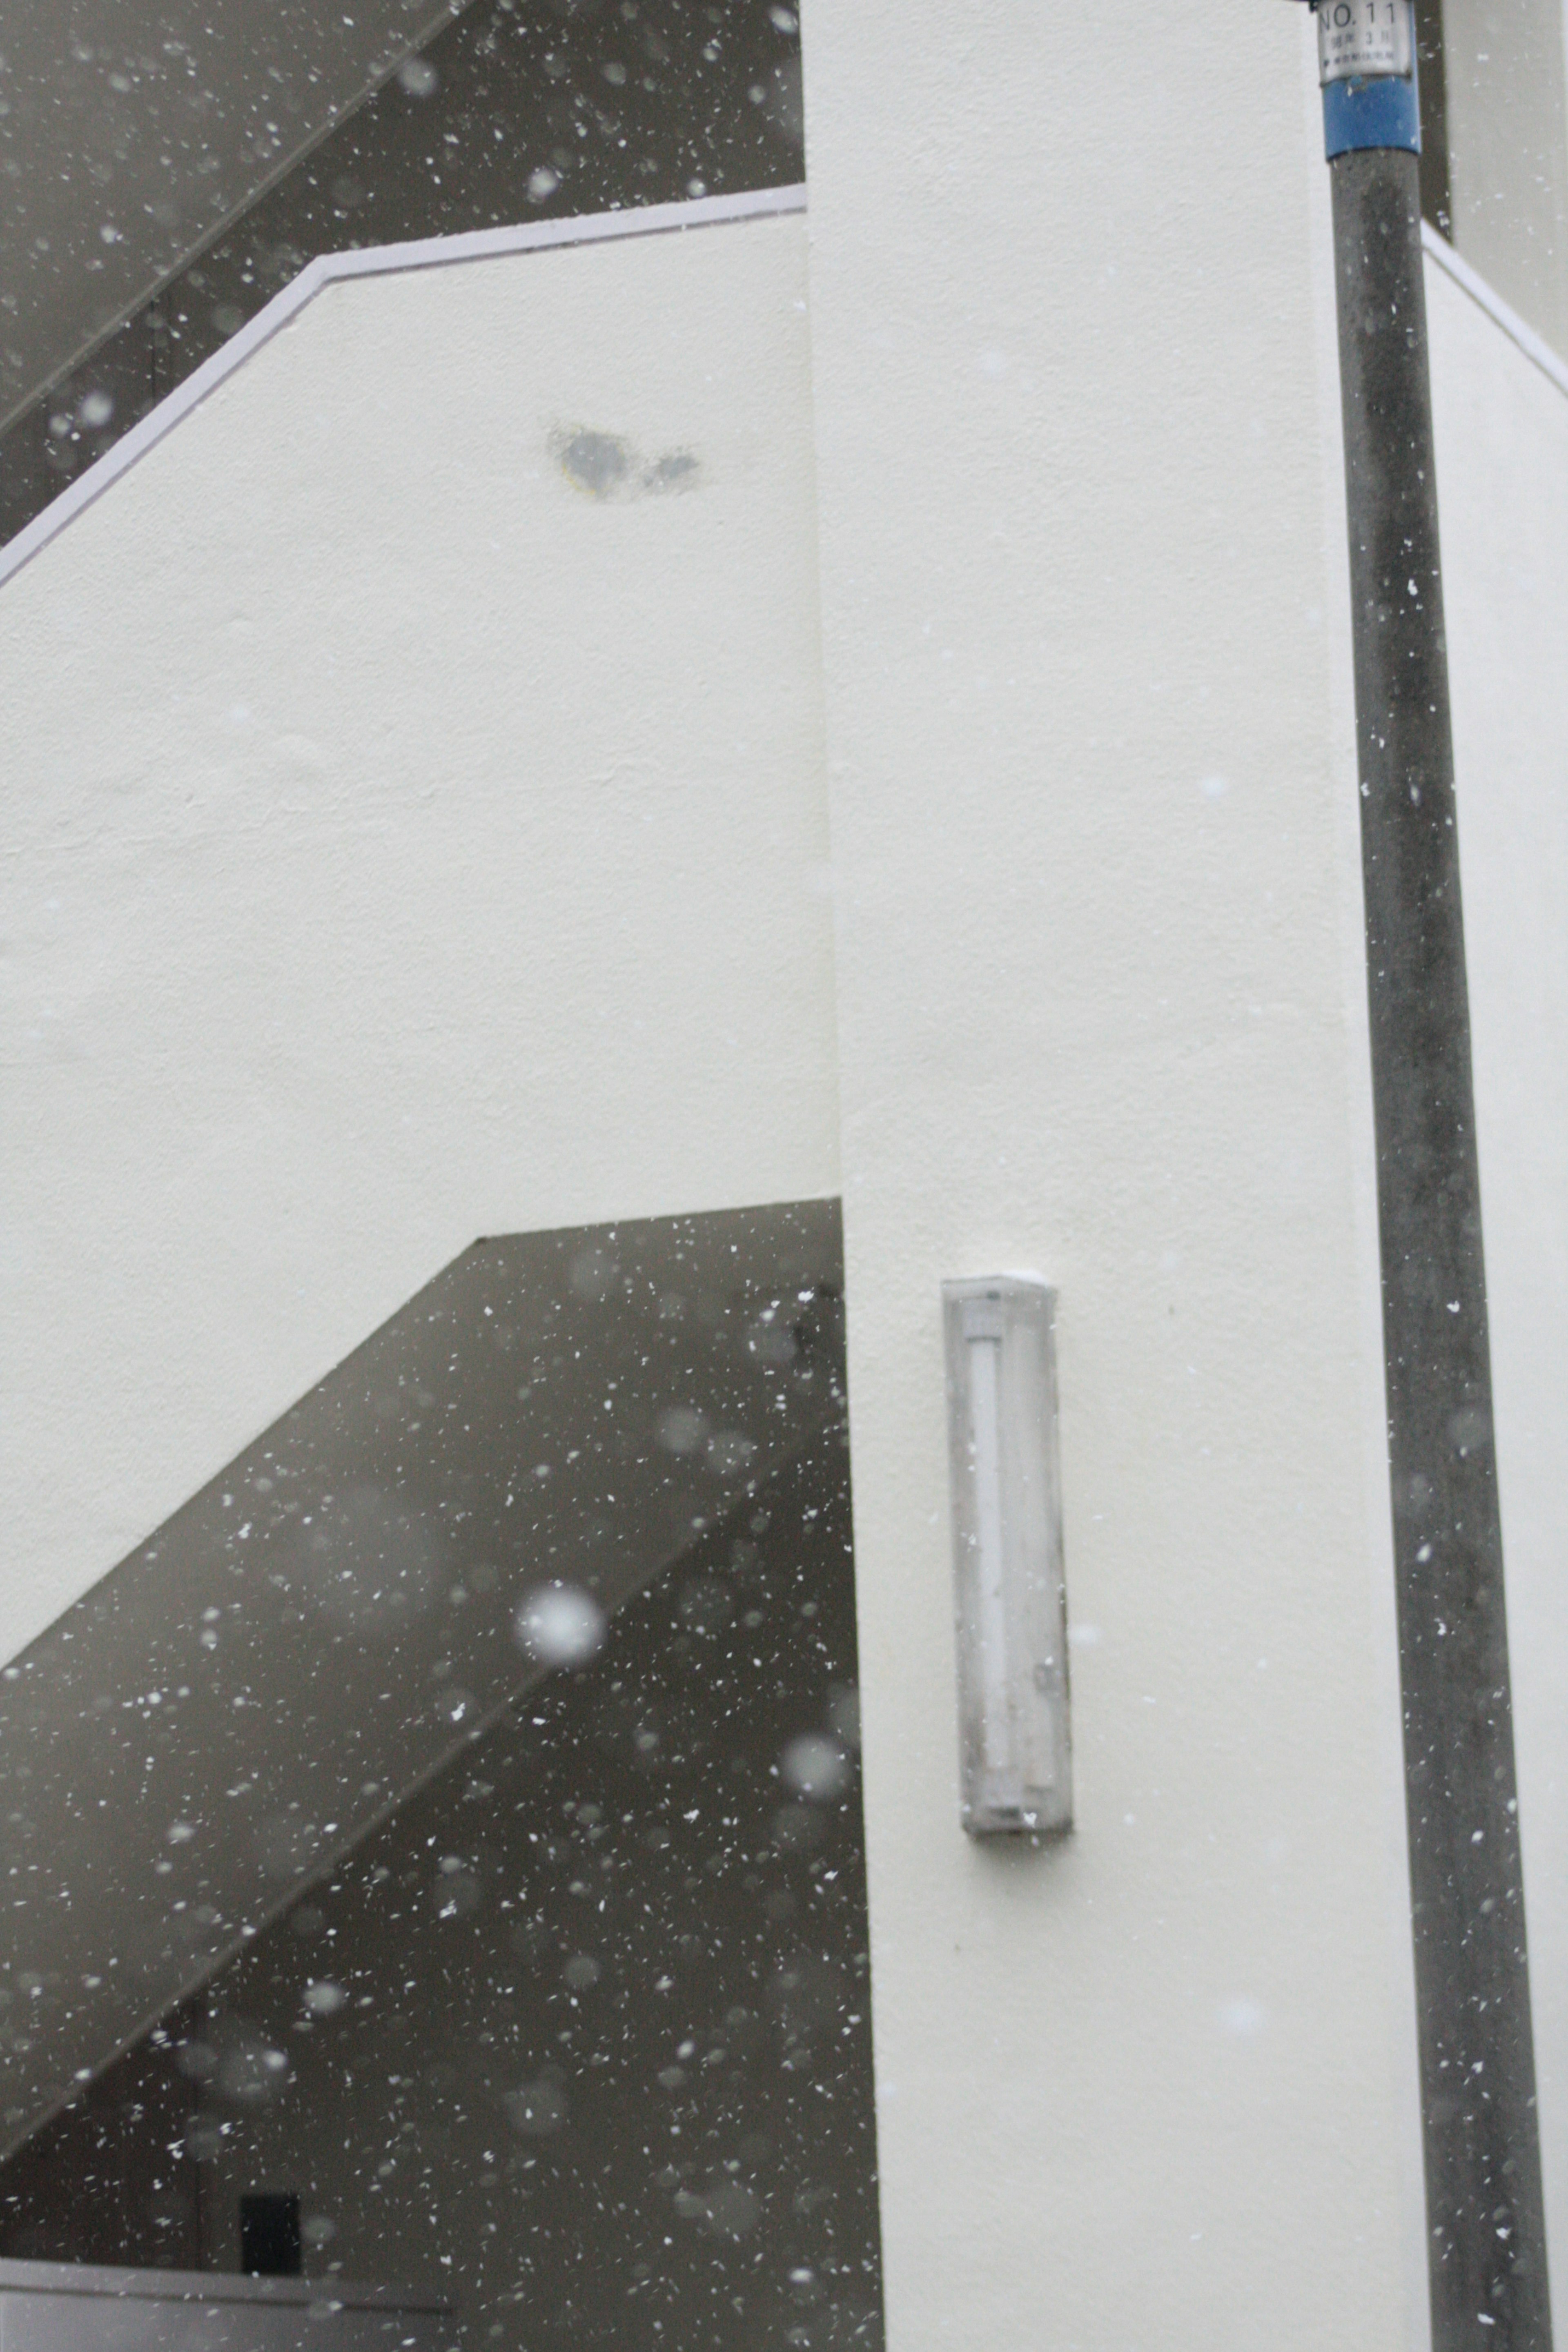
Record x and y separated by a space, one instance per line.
270 2245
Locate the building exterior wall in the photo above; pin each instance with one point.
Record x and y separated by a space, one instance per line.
411 845
417 845
1506 87
1095 870
1502 461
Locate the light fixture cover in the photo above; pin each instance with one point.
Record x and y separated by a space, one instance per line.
1009 1586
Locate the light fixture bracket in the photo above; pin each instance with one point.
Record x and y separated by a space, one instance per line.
1008 1588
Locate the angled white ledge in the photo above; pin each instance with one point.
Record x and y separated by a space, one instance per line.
1471 282
372 261
209 2288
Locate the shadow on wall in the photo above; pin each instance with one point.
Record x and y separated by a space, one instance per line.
581 2035
327 1622
436 1855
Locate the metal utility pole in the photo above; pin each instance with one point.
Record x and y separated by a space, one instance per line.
1487 2247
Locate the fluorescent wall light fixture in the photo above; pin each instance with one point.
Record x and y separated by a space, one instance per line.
1011 1600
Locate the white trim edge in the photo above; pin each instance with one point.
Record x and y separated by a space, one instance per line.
1438 248
369 261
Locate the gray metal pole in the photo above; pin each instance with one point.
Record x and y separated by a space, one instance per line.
1487 2247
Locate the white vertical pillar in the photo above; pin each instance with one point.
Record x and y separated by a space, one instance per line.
1101 1010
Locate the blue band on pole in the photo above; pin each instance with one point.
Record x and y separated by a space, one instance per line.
1385 111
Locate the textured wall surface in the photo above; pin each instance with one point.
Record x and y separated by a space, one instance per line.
424 834
1507 93
414 845
1502 478
1101 1014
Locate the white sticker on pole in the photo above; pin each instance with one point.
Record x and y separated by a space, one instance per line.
1359 39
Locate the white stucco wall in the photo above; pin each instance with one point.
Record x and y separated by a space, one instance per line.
405 846
1506 94
410 845
1102 1011
1502 476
